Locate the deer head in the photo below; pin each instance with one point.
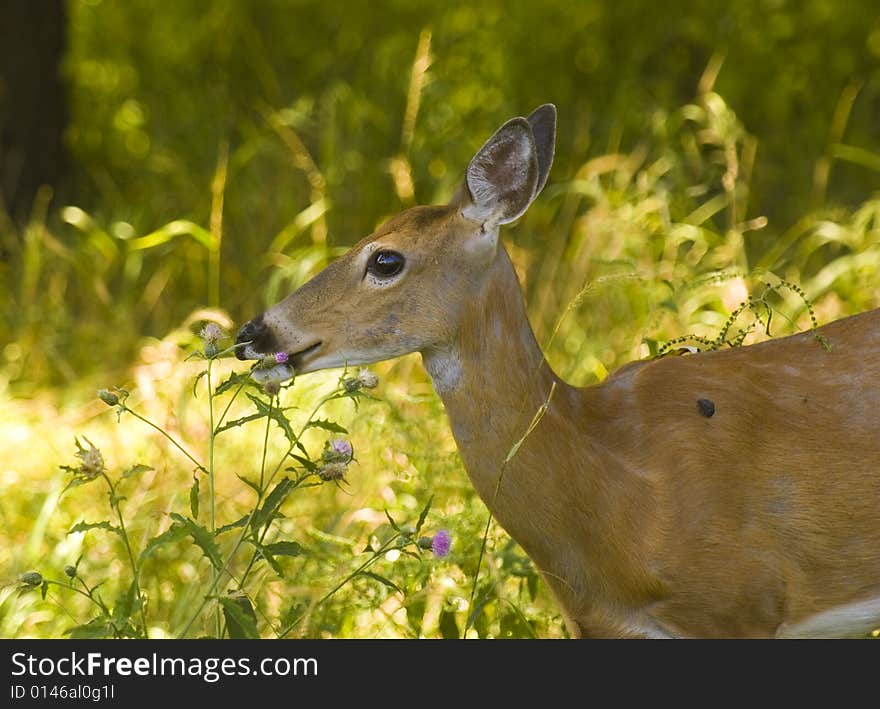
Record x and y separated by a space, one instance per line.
402 288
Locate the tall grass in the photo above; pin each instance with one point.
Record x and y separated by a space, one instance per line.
630 251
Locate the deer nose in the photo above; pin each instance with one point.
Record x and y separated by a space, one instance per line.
252 339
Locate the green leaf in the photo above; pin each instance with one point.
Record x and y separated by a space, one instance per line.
514 625
383 580
240 522
477 617
251 484
285 548
238 422
77 481
391 521
125 604
179 227
194 497
274 413
203 539
234 379
174 533
196 382
273 501
136 470
304 462
423 516
532 581
86 526
415 612
448 626
241 621
270 559
327 425
98 627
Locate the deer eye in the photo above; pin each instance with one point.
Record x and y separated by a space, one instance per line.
385 264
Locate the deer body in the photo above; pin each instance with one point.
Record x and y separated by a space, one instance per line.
646 516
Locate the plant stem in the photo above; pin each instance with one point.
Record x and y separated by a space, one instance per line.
471 614
272 400
114 503
87 593
166 434
229 405
212 506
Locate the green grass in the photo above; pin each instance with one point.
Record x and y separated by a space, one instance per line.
627 253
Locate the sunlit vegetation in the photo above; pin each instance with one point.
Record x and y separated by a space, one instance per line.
715 184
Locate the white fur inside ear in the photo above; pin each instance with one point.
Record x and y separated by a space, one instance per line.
502 176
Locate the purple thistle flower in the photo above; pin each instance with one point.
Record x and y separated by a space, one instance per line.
441 543
281 357
211 332
341 447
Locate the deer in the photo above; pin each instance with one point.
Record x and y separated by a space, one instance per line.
728 493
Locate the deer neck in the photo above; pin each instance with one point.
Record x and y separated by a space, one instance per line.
492 378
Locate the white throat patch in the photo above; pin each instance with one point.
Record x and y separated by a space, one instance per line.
445 369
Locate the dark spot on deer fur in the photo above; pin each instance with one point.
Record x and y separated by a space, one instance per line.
706 407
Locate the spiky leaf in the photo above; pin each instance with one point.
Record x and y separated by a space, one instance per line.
383 580
274 413
285 548
234 379
327 425
241 621
273 502
235 423
136 470
86 526
98 627
240 522
203 539
194 497
424 515
174 533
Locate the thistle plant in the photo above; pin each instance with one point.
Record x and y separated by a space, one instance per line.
235 549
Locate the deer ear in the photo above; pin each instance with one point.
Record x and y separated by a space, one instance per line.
543 123
502 177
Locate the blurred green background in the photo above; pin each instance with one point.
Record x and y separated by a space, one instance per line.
216 154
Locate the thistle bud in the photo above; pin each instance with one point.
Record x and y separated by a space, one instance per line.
332 471
211 332
108 397
31 578
92 461
272 387
367 379
70 571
